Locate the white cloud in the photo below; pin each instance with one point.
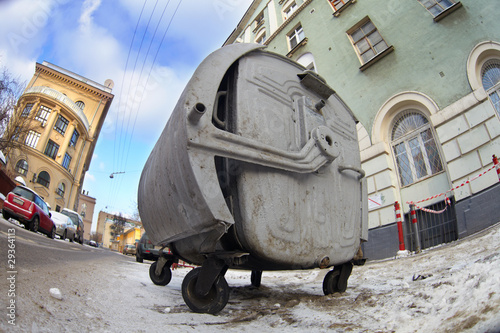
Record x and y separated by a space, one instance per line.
89 7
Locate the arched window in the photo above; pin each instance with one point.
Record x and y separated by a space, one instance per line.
307 60
80 104
44 179
414 148
61 189
490 76
22 167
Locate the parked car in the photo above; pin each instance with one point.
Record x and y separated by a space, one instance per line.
26 206
93 243
129 249
145 249
77 221
64 226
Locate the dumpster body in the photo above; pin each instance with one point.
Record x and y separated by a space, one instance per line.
257 168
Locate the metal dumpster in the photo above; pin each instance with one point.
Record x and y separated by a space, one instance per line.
257 168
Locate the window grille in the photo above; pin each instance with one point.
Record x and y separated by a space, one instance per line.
22 167
61 124
32 139
51 149
61 189
415 150
80 104
27 110
43 114
490 76
43 179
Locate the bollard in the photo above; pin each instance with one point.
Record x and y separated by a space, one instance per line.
415 228
397 208
497 166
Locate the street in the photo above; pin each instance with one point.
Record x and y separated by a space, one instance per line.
451 288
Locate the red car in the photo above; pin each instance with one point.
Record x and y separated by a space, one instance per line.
24 205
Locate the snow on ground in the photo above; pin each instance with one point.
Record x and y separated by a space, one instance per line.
451 288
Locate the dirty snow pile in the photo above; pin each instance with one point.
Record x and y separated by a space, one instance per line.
451 288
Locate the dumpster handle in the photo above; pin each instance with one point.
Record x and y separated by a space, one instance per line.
353 168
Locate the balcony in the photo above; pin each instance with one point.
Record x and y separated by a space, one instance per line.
54 94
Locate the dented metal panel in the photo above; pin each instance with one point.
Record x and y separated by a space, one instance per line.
258 156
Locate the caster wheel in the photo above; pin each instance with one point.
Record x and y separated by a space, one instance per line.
164 278
256 278
213 302
330 282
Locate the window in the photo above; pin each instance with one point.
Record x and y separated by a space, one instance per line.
259 20
61 124
80 104
43 114
490 75
51 149
261 37
436 7
66 161
340 5
27 110
15 135
61 189
22 167
415 150
43 179
367 41
32 139
74 138
307 60
289 10
295 37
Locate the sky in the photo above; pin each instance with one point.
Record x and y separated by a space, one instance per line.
149 48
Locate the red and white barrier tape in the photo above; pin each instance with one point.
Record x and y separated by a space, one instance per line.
444 193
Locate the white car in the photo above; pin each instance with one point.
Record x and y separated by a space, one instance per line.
64 226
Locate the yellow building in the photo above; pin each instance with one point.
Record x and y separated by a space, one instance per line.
66 112
103 230
131 236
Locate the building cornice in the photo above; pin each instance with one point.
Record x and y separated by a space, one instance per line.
81 83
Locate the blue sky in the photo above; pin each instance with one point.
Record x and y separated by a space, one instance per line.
94 38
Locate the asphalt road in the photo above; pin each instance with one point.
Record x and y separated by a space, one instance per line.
36 249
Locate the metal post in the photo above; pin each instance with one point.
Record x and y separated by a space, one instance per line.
415 228
399 222
497 166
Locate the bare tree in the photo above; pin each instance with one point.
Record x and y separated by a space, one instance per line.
118 226
14 123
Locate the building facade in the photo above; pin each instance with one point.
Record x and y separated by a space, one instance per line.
423 79
66 112
104 230
86 205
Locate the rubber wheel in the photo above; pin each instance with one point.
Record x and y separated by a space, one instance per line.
64 235
213 302
5 215
35 224
52 233
164 278
256 278
331 281
138 258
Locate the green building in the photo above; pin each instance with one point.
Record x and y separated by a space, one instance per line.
423 79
